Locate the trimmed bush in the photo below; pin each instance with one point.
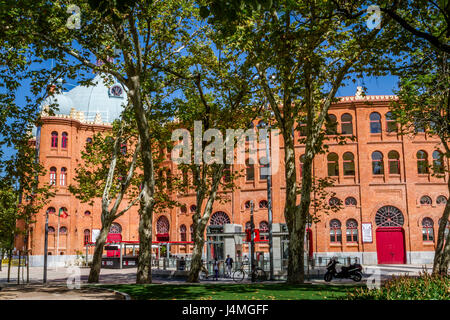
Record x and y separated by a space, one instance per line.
423 287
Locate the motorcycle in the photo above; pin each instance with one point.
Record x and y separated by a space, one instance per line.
353 271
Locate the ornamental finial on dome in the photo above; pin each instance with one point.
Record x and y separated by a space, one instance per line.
73 113
98 118
81 116
45 110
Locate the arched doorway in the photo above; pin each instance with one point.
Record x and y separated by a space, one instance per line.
215 240
390 236
162 229
114 235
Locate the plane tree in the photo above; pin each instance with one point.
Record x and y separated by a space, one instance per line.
303 53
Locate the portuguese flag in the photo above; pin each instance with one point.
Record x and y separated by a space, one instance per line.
62 213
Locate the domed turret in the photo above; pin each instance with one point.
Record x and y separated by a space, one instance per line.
106 100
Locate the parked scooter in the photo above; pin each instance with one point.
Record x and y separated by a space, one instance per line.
353 271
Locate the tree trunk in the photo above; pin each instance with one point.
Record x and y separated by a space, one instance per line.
1 258
293 219
442 253
144 270
96 266
196 260
9 264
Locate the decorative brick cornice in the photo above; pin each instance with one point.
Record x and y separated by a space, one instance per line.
381 98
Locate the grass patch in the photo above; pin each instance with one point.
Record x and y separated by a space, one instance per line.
276 291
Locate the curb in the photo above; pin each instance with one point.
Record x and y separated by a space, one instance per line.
123 295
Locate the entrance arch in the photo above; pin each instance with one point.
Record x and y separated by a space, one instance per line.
162 229
390 236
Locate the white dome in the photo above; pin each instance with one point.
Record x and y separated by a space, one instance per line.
92 100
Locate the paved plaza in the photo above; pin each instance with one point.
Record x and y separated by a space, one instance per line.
57 287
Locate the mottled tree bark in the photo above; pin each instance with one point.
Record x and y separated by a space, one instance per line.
94 273
442 252
147 201
200 222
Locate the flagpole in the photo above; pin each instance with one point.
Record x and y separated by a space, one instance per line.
57 236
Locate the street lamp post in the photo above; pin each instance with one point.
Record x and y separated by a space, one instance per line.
269 209
46 247
252 242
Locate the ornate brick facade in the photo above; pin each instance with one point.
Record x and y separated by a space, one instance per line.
398 184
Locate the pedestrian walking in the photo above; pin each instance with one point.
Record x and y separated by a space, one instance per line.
229 263
216 269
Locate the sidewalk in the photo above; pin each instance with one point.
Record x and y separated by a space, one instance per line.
40 292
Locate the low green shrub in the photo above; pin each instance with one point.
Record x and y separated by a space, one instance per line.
423 287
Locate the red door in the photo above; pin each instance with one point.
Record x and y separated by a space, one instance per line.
391 245
113 237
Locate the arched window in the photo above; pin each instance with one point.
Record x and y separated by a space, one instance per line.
422 162
263 204
249 171
183 209
63 230
247 205
425 200
183 233
333 165
352 230
191 229
346 124
261 124
52 176
438 162
54 142
375 122
51 210
87 213
51 230
263 168
219 218
419 127
263 228
335 231
193 208
88 140
226 173
441 200
334 202
302 161
389 216
63 177
377 163
350 202
349 164
427 229
64 140
115 228
162 225
251 127
391 125
185 177
123 148
301 127
394 162
331 124
87 236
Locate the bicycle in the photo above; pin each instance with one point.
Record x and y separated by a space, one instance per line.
258 273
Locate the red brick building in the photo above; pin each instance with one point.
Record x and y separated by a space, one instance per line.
391 201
